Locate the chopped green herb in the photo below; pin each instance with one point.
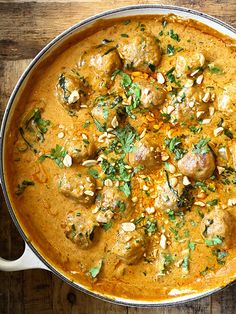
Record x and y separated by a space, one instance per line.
228 133
86 124
213 69
124 35
94 173
94 271
126 22
212 202
23 185
195 129
214 241
175 146
57 154
174 36
191 246
202 146
107 226
151 227
170 50
220 255
185 264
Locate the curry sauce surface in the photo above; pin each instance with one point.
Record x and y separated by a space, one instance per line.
120 159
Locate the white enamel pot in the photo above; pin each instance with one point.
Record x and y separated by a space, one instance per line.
31 257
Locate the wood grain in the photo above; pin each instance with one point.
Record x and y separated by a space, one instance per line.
25 27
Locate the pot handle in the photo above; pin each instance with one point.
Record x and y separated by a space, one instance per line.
28 260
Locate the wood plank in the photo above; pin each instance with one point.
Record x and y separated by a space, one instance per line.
69 300
224 302
36 23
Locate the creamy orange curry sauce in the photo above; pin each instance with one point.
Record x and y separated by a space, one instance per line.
120 158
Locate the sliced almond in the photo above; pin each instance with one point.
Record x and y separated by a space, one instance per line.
186 181
231 201
163 242
128 226
89 163
67 161
150 210
220 169
89 193
206 97
114 122
218 131
74 96
160 78
60 135
199 79
199 203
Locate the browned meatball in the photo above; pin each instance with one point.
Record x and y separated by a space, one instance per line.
198 166
78 186
71 91
146 152
80 229
151 94
98 63
168 198
129 246
112 199
79 149
140 52
107 110
217 227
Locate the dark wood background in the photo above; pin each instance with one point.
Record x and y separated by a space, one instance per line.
25 27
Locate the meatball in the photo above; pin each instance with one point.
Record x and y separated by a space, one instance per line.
198 166
218 224
140 52
187 102
98 63
129 246
112 199
146 153
168 198
78 186
107 110
80 229
151 94
71 91
79 149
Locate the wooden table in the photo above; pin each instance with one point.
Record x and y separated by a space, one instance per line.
25 27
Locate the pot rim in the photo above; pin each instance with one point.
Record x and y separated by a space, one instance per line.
176 300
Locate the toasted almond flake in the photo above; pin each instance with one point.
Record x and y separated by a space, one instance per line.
114 122
88 192
102 137
61 126
83 106
165 157
199 114
84 136
194 72
160 78
171 168
104 217
117 183
128 226
109 135
145 188
89 163
108 182
67 161
150 210
74 96
201 59
201 204
188 83
206 121
150 118
163 242
231 201
191 103
213 96
95 210
201 195
199 79
134 199
186 181
173 182
218 131
206 97
170 109
220 169
60 135
211 111
143 133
